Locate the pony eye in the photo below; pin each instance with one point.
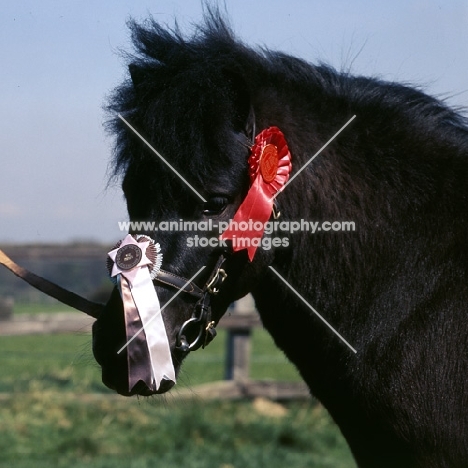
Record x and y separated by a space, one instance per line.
214 206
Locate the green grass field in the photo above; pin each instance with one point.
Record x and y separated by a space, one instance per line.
54 306
66 363
54 411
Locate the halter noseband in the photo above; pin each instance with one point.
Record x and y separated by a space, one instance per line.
201 316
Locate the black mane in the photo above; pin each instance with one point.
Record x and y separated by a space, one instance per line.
200 63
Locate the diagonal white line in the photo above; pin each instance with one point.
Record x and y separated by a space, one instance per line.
312 309
162 308
313 157
160 156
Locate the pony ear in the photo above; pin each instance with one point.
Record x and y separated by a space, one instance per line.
137 74
244 115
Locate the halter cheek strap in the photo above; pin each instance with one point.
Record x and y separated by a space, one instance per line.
199 324
170 279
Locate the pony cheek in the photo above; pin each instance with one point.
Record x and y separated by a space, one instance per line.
251 273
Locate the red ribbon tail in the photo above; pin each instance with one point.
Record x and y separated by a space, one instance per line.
269 168
256 208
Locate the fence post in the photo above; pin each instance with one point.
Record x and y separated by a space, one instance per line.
238 344
6 307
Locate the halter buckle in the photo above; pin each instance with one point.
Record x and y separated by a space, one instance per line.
210 333
213 286
275 211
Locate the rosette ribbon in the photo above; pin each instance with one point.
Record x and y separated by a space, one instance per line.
269 169
133 264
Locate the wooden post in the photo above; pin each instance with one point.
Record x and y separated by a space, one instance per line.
238 343
238 354
6 308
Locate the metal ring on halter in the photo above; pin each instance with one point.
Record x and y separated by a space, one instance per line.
183 345
199 317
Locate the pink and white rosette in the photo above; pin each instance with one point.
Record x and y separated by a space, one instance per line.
133 264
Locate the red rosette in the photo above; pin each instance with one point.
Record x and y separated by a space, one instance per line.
269 169
267 141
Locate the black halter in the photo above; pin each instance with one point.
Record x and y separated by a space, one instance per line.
200 324
201 316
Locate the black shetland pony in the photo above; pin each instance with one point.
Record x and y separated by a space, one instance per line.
396 288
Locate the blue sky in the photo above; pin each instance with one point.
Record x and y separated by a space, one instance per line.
60 59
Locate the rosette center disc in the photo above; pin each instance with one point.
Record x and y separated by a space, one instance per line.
269 163
128 257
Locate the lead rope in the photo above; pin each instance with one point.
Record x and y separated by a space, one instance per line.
51 289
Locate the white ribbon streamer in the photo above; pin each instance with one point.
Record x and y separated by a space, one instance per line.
137 275
149 309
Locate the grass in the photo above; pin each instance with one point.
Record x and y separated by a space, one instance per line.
66 363
65 431
50 362
36 308
55 411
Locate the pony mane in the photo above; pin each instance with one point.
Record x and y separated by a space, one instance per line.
162 55
198 63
